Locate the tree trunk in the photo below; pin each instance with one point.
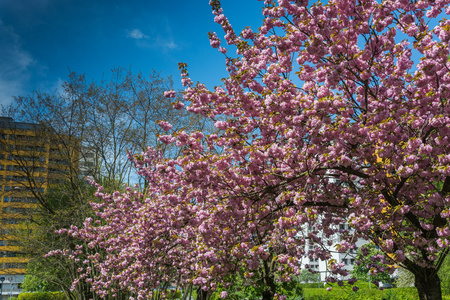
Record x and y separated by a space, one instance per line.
267 294
269 288
428 284
203 295
268 280
187 291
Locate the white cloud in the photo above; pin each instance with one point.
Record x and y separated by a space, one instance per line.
154 41
136 34
57 87
171 45
15 64
157 43
158 35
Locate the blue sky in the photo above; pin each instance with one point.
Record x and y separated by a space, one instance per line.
40 40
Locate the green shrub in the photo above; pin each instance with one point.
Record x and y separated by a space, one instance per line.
174 294
346 293
42 296
33 283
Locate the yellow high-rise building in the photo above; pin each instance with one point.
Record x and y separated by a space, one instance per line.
30 160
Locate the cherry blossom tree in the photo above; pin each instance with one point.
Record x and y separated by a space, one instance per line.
331 113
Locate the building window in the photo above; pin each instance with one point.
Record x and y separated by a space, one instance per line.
348 261
10 254
343 226
27 158
18 210
39 179
58 161
58 171
13 265
3 136
19 178
20 199
11 220
12 243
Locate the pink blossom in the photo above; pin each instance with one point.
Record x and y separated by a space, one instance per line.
170 94
178 105
167 139
165 125
220 125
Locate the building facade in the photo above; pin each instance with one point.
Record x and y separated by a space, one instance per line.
31 160
347 258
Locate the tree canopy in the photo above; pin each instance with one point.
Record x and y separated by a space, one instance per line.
332 113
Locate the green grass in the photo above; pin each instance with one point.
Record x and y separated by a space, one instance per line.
344 293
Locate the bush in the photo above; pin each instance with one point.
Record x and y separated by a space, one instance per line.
42 296
33 283
363 294
292 290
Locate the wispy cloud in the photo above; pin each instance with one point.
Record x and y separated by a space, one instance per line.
57 87
15 64
157 43
171 45
136 34
159 36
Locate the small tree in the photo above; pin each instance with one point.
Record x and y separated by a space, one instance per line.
368 260
33 283
307 276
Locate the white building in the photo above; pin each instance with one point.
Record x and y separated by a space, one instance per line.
347 258
10 286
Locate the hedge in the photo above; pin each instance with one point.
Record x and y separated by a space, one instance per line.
364 294
42 296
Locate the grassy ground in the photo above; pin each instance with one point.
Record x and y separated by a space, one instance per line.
364 293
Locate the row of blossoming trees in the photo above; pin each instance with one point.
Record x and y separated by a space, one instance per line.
331 113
